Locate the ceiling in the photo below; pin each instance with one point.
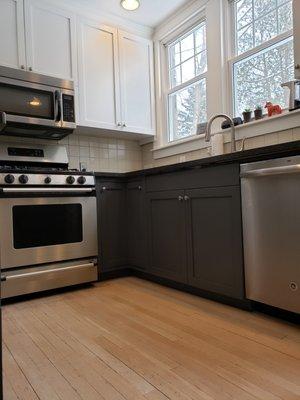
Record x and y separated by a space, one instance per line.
150 13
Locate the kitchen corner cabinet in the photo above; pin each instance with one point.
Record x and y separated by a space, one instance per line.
116 83
111 198
37 37
136 224
167 235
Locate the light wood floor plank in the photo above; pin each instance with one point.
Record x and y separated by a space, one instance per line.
130 339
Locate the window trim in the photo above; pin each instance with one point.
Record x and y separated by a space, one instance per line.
162 71
171 90
234 57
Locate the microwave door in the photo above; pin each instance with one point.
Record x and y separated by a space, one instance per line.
29 103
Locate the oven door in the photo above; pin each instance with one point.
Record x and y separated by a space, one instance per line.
37 230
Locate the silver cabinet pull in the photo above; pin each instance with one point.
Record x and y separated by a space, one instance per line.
186 198
139 187
180 198
119 124
30 69
124 125
22 66
21 276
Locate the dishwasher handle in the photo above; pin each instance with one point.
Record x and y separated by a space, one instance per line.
288 169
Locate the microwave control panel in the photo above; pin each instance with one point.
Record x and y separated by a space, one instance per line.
68 108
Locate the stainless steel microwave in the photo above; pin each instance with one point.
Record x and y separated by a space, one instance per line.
34 105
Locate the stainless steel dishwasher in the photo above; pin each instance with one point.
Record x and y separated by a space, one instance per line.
271 227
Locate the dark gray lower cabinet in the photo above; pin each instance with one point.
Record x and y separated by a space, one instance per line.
189 236
136 224
111 197
167 235
215 258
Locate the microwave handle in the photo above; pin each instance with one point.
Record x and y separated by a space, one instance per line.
58 111
2 120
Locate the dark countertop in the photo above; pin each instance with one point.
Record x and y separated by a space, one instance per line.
252 155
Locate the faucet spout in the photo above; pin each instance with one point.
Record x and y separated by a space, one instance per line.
227 118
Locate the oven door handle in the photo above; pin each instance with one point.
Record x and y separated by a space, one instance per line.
19 276
47 190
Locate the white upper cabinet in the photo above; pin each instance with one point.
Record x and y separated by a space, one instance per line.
12 42
50 35
137 83
115 75
98 76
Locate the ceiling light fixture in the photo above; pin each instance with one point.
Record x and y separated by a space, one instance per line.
130 5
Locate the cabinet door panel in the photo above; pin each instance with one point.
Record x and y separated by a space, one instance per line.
137 88
50 40
167 235
215 241
98 80
12 37
136 226
111 225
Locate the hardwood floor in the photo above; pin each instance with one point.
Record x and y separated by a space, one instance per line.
135 340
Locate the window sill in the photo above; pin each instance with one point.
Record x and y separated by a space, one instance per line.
277 123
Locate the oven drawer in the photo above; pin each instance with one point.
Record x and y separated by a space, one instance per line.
46 277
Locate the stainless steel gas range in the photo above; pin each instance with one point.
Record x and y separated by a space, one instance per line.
48 231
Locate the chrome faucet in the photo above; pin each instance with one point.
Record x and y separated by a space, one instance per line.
227 118
294 87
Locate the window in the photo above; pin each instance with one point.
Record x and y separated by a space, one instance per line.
187 68
264 56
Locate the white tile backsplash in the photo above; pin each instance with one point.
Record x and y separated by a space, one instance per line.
98 153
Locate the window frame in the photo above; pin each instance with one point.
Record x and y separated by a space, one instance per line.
168 90
235 57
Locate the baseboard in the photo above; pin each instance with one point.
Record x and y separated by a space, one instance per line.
117 273
238 303
276 312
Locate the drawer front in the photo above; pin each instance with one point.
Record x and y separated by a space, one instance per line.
212 176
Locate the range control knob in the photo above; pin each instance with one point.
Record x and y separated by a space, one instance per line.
23 179
70 180
9 178
47 179
81 180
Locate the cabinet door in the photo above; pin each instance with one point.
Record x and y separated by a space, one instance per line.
136 225
296 12
111 197
167 235
50 40
98 76
12 34
137 83
215 241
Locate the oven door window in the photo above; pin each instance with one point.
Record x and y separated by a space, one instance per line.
46 225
